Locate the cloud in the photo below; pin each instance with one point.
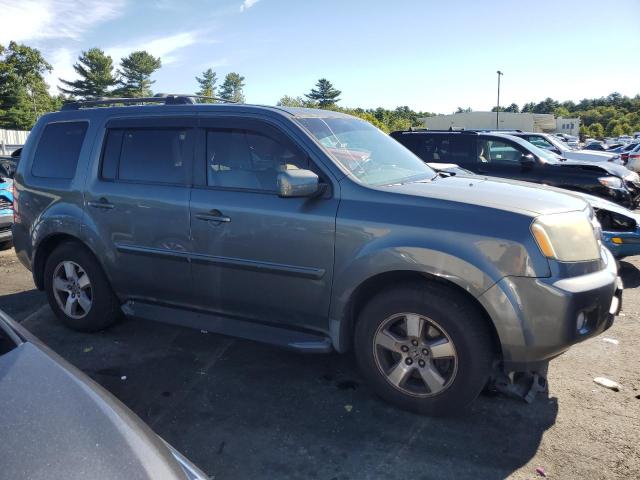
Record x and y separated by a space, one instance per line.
162 47
247 4
24 20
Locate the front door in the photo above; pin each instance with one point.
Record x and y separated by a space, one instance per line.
258 256
138 203
502 158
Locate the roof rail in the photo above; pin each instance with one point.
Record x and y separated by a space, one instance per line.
161 98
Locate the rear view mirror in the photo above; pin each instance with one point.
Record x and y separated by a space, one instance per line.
527 160
298 183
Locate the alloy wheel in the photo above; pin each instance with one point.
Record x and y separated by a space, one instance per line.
72 289
415 354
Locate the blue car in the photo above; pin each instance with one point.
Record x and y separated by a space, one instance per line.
6 211
620 227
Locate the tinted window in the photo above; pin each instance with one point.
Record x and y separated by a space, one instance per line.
540 142
492 151
111 154
150 155
458 149
239 158
58 150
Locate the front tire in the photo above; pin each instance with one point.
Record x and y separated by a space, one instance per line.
424 348
78 290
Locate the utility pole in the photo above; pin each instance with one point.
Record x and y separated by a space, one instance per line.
498 109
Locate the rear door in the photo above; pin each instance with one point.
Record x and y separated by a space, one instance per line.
138 205
258 256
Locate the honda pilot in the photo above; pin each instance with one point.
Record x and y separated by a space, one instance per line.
310 230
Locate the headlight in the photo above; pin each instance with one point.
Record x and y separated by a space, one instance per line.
613 182
567 237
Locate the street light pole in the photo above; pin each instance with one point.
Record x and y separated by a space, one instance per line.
498 109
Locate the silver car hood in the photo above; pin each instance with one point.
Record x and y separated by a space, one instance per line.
55 422
503 194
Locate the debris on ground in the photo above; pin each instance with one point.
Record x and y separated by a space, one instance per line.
204 331
611 340
607 383
87 349
348 408
123 377
540 471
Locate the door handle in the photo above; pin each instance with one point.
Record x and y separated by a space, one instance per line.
213 216
102 203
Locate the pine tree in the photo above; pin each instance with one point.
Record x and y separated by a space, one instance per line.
231 88
135 73
96 76
207 85
324 94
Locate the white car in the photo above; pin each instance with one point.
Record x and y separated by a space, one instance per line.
633 160
549 142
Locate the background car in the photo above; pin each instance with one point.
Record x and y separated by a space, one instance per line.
58 423
551 143
504 155
6 211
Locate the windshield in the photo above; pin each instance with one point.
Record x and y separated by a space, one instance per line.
370 155
542 153
563 147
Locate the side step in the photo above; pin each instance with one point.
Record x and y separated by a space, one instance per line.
300 341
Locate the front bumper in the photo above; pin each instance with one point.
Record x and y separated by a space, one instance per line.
622 244
537 318
6 220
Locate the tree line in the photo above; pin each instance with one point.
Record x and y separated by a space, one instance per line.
24 94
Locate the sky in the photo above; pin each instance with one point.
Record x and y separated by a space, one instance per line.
430 55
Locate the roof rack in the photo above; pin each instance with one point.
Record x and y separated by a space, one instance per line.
161 98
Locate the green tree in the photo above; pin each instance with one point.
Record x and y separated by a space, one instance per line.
95 70
512 108
135 72
24 95
287 101
207 85
596 130
324 94
463 110
617 131
232 88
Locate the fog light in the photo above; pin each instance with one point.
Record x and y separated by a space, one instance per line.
617 240
581 322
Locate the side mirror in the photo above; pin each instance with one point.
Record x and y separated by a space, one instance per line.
298 183
527 160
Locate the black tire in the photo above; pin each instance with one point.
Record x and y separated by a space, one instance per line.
6 245
105 307
463 325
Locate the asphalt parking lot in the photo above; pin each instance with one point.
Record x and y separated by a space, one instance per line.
240 409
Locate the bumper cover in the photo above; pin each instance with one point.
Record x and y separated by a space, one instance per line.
625 245
6 220
537 318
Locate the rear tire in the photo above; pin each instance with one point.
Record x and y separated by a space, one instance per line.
424 348
78 290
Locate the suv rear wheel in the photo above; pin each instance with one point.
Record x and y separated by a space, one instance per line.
424 348
78 290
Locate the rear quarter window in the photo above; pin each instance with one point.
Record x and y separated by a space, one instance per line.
58 150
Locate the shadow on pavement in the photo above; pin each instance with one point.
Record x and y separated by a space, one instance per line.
20 305
240 409
630 274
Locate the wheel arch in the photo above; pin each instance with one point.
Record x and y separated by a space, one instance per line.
46 246
381 281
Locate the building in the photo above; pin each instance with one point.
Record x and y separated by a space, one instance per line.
570 126
527 122
11 139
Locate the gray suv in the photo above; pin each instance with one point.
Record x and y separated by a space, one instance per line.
311 230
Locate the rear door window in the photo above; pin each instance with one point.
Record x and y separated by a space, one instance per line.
148 155
458 149
58 151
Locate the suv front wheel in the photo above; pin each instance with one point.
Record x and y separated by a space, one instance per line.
424 348
78 290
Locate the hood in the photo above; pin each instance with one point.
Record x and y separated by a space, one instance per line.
58 423
608 167
503 194
587 155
